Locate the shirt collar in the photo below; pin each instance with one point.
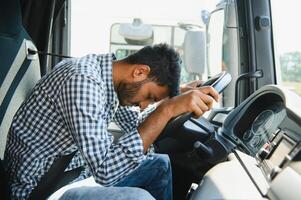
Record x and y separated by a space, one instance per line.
107 71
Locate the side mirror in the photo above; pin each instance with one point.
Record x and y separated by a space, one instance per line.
194 51
205 16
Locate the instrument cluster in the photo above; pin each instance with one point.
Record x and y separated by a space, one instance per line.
262 128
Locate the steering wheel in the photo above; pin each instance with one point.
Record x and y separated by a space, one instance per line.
219 82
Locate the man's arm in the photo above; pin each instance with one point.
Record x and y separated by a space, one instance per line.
196 101
128 118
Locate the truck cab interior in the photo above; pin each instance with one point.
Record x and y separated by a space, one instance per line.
247 147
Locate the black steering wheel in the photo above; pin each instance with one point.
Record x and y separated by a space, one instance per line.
219 82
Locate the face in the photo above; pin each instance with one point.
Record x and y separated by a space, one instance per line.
141 93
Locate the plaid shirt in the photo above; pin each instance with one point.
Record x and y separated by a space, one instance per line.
70 109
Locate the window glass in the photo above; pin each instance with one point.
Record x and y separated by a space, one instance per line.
171 34
286 17
95 26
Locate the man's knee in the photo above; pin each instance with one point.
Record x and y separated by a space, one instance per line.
107 193
138 194
162 161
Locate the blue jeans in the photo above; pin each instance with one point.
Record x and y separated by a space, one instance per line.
153 175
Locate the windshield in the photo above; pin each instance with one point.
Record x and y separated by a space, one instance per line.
286 17
98 28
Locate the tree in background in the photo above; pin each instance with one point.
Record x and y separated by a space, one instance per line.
291 66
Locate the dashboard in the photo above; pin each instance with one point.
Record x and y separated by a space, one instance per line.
267 125
254 123
264 134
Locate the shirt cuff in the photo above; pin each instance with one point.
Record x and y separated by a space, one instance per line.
150 152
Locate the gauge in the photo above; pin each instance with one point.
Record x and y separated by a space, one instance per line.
247 135
262 125
255 141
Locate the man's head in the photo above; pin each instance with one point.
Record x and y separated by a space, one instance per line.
153 73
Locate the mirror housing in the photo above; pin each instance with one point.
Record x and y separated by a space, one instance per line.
205 16
137 32
194 51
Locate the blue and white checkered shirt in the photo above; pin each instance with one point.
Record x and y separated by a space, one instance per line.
68 110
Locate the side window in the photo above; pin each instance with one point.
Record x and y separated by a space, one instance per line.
287 43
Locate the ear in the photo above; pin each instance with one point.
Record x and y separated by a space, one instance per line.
140 72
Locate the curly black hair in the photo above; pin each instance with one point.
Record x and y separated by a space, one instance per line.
164 62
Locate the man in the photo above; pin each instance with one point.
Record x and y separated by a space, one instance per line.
70 110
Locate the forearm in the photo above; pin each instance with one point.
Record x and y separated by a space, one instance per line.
196 101
151 128
120 159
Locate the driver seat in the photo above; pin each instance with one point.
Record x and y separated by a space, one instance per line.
19 73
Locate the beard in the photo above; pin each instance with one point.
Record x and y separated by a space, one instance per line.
127 91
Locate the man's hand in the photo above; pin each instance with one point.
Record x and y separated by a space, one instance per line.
189 86
196 101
